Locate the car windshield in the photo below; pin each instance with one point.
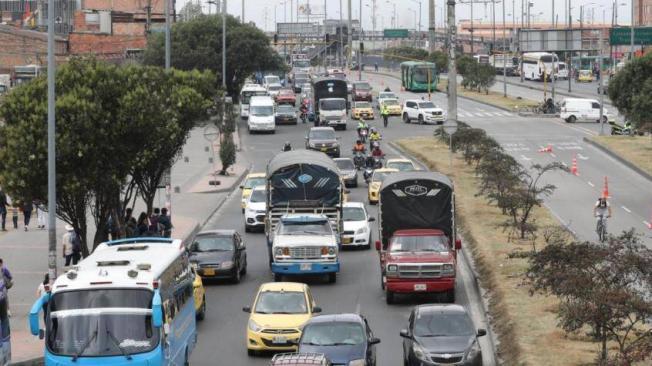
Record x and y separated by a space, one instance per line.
363 105
211 243
332 104
285 109
585 72
301 76
345 164
339 75
261 110
286 92
362 86
379 176
272 79
257 195
302 63
430 243
353 214
252 182
425 105
436 324
322 135
317 227
102 322
390 102
274 87
387 95
281 303
246 96
401 165
333 334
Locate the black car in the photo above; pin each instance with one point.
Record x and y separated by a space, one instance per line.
285 114
345 339
323 139
441 335
219 254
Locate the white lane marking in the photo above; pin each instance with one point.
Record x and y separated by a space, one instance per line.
582 157
646 223
525 158
626 209
589 182
566 165
479 114
553 155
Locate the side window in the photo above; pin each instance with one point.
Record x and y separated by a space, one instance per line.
595 105
410 104
311 301
411 322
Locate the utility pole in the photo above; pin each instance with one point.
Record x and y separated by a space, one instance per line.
341 45
360 44
373 24
568 54
504 53
471 4
167 35
52 176
553 18
601 85
349 36
148 20
432 26
631 39
224 45
242 19
452 71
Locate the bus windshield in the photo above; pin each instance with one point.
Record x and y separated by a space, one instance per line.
420 74
301 63
246 95
103 322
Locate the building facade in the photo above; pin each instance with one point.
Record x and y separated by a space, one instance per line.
642 13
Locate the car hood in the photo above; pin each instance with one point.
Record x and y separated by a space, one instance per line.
420 257
329 141
354 225
428 110
452 344
211 257
337 354
282 321
257 206
302 240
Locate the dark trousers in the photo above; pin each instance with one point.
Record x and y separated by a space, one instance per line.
74 257
28 216
3 216
15 220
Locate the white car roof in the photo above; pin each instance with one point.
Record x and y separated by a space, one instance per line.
354 204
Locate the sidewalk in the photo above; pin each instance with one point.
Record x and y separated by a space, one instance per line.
193 203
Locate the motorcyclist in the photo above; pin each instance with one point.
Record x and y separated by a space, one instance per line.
287 146
602 209
374 136
304 111
387 89
377 152
359 147
362 125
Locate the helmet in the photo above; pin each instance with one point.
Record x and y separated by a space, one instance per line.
373 129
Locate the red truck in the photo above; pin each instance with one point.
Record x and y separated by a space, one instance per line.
418 244
286 96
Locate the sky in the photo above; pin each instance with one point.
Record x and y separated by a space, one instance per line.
407 11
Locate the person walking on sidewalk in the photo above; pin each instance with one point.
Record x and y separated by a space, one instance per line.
3 208
165 223
142 224
154 227
68 239
131 228
6 283
28 206
41 216
14 214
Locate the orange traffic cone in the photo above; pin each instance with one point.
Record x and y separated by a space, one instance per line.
574 166
546 149
605 190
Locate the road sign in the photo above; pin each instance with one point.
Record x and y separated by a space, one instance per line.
622 36
395 33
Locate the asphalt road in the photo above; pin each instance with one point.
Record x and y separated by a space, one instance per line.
572 202
222 333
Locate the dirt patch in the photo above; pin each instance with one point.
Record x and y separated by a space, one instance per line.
635 149
525 325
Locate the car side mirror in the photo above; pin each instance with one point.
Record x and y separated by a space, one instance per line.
378 245
316 309
373 341
371 219
405 333
482 332
458 244
246 309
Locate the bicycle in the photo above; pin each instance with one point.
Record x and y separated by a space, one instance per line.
601 228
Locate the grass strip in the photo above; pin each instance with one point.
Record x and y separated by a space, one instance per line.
635 149
494 98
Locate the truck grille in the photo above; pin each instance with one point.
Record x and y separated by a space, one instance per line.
430 270
305 253
436 113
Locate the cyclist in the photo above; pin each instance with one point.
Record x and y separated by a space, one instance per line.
602 210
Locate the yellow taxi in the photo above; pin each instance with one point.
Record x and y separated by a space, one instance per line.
362 110
375 181
402 165
252 180
279 311
393 106
199 293
585 76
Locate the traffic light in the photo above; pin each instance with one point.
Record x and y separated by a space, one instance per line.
275 39
361 47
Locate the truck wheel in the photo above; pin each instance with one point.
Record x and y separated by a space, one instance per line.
389 297
571 119
450 296
332 277
420 119
406 119
278 277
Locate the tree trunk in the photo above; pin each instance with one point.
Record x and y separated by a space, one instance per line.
101 234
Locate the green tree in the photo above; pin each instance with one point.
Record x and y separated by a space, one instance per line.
463 63
440 59
400 54
197 44
630 90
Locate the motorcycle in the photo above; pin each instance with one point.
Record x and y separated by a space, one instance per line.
304 116
359 159
372 163
625 130
362 134
374 143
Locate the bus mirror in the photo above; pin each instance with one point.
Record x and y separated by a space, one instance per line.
34 314
157 310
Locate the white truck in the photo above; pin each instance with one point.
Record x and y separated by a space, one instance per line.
261 115
331 102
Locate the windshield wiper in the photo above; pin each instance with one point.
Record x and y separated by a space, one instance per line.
434 335
117 344
88 342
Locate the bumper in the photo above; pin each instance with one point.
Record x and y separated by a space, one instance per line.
394 112
286 101
434 119
261 127
363 115
355 240
362 98
411 285
254 220
305 268
215 272
373 196
352 181
330 151
271 342
288 121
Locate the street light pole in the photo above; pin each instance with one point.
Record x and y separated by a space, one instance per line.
349 36
341 46
631 40
167 34
52 176
504 53
432 26
360 43
224 45
451 119
242 18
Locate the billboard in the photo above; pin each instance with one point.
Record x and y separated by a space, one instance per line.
555 40
290 30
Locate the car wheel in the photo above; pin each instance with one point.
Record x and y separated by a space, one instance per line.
202 311
389 297
247 229
278 277
420 119
251 353
604 119
406 119
185 358
571 119
344 128
368 246
332 277
243 271
243 210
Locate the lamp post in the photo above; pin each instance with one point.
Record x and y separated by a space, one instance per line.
224 45
418 2
52 177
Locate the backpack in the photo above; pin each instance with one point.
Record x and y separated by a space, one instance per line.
75 242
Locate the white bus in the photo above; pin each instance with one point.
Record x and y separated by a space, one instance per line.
535 64
248 91
131 298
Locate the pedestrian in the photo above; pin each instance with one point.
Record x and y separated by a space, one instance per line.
40 215
131 228
28 206
376 66
68 240
142 224
165 222
154 227
14 214
128 214
7 282
3 208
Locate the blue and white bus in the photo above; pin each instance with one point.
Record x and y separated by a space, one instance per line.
129 303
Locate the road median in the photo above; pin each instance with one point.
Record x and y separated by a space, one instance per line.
525 325
633 151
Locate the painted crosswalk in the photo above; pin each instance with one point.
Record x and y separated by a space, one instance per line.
484 114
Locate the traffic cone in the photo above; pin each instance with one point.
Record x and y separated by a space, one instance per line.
546 149
574 166
605 190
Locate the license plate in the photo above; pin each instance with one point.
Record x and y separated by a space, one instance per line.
420 287
279 340
305 266
347 240
324 149
208 272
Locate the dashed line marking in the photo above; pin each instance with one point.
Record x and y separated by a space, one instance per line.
626 209
647 223
591 184
566 165
553 155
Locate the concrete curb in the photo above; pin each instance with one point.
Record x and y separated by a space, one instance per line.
620 159
468 258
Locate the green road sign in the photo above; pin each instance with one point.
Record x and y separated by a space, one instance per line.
622 36
395 33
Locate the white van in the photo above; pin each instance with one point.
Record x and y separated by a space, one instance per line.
562 71
261 114
582 110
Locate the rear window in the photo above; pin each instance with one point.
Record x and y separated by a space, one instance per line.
362 86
